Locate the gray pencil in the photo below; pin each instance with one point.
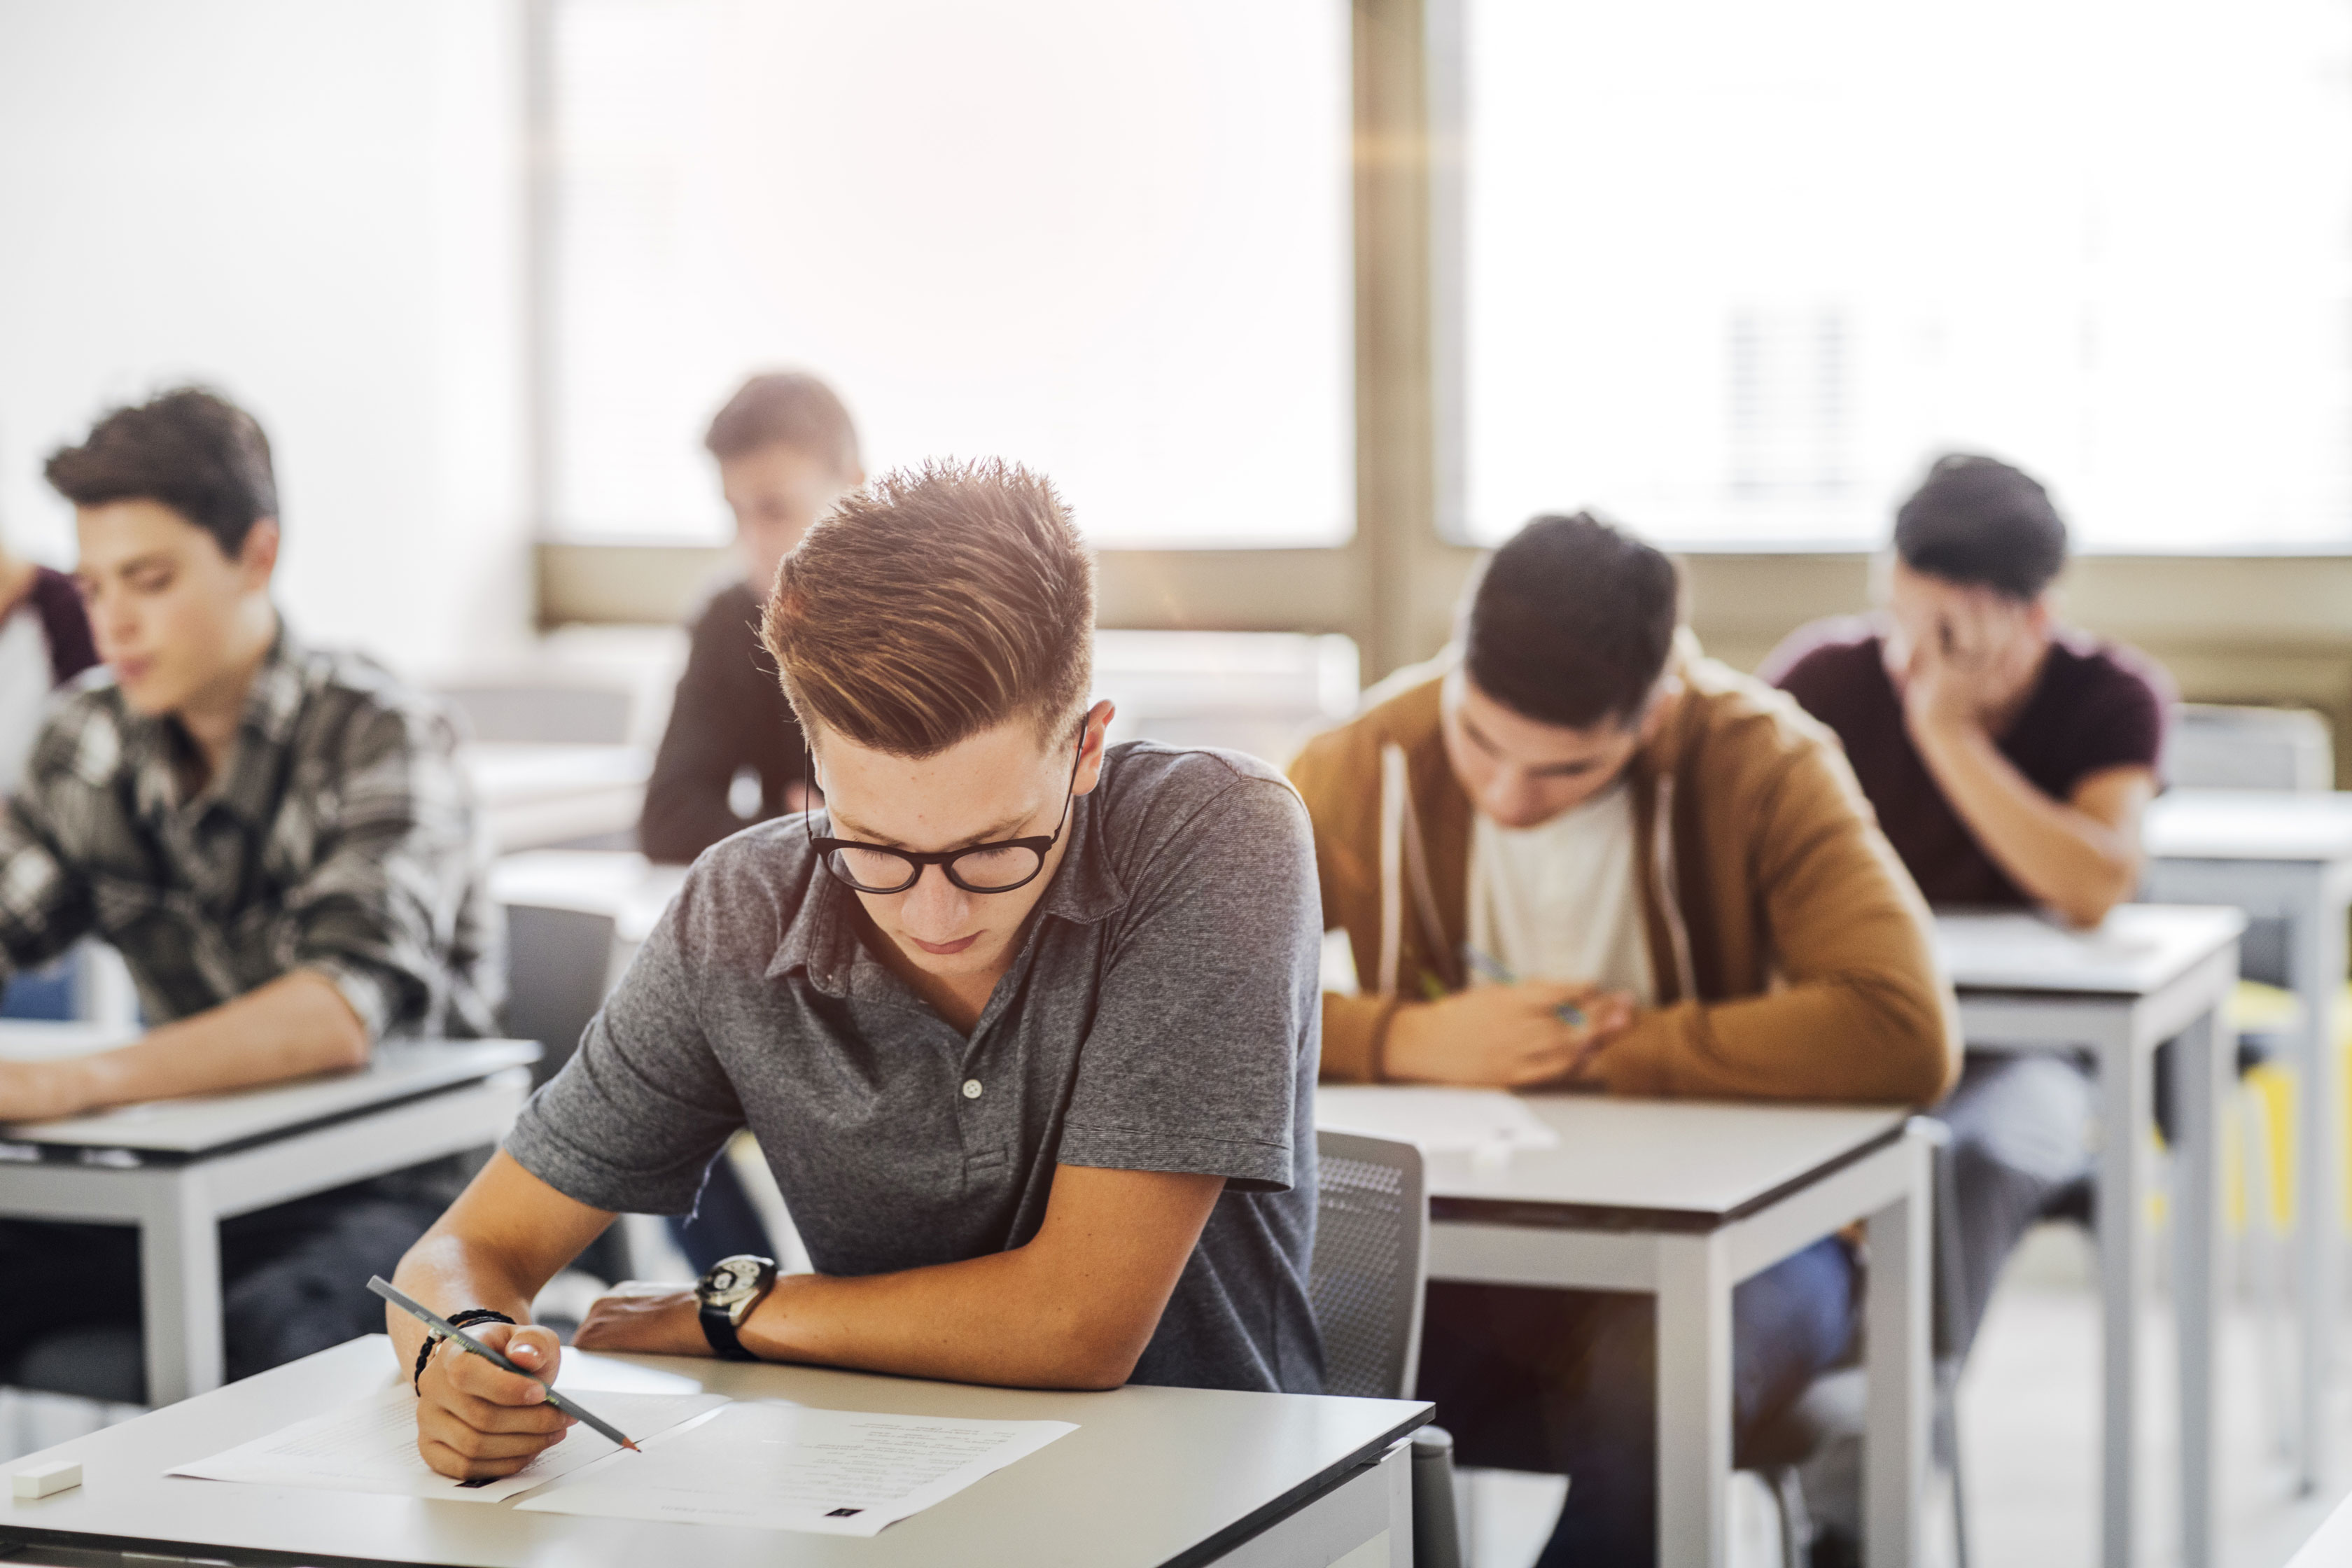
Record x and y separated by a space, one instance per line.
385 1289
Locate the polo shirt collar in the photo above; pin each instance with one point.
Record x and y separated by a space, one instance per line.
821 938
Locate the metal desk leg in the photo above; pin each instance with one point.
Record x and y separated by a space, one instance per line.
2200 1082
1694 1401
2125 1084
2317 965
1897 1352
180 1284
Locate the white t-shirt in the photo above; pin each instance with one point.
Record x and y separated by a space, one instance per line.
1558 901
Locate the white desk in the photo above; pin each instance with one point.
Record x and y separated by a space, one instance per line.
177 1168
1153 1477
2330 1546
1682 1200
2151 974
2284 856
534 795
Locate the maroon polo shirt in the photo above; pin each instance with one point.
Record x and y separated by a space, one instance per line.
2098 705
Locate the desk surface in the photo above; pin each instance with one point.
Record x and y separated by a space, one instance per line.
400 1069
2331 1545
1153 1476
1681 1162
621 883
2138 949
2249 825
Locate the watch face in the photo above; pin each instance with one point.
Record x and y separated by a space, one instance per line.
735 1280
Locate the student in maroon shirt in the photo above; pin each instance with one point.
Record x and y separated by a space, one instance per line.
2010 760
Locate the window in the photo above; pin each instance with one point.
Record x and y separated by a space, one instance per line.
1737 272
1108 240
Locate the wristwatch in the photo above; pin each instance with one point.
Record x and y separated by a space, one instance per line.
728 1293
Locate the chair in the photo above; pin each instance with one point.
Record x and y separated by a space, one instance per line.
1371 1269
2213 747
559 967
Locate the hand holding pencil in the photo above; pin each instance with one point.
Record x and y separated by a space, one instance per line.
485 1408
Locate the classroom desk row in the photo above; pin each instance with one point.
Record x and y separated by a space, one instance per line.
1680 1199
1686 1231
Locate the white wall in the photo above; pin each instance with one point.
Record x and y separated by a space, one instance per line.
318 208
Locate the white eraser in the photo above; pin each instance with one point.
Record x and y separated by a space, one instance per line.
43 1480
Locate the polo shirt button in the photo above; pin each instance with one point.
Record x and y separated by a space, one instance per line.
972 1088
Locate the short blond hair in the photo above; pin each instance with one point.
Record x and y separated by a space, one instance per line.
934 604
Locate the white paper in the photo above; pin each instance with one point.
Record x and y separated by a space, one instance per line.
1440 1121
772 1466
369 1446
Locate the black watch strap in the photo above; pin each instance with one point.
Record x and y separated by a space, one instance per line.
725 1343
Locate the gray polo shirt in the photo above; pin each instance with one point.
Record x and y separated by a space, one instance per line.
1163 1014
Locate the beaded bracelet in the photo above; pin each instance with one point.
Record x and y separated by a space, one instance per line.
465 1320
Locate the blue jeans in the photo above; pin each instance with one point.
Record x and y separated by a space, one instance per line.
723 1223
1566 1381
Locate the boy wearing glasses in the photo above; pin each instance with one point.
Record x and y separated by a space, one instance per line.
1027 1025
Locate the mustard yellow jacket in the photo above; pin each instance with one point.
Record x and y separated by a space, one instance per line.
1790 949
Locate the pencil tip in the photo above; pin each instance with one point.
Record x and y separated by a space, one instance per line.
631 1447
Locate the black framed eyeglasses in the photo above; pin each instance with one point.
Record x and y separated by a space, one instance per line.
996 868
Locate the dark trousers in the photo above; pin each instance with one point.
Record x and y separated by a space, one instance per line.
2020 1136
1566 1382
294 1280
723 1223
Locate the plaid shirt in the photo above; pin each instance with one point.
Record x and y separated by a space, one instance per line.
340 837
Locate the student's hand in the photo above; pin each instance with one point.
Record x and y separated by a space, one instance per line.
474 1420
649 1320
41 1091
1503 1036
1967 668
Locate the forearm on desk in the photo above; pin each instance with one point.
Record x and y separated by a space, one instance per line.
1072 1309
2078 863
298 1025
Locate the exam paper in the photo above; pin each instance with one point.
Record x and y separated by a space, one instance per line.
369 1446
1440 1121
785 1466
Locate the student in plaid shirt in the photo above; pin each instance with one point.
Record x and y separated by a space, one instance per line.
279 842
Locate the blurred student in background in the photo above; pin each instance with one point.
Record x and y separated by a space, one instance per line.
279 842
786 451
1582 854
2010 760
44 642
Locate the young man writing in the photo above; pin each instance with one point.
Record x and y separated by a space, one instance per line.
786 450
1027 1026
279 841
2009 761
1583 802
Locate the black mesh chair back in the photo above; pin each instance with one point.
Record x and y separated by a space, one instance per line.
1371 1261
1371 1254
557 964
